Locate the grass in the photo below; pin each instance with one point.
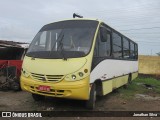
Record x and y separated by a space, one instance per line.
137 87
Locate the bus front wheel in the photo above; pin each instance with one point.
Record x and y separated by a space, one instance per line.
90 104
38 97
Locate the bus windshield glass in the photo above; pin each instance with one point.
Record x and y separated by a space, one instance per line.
72 39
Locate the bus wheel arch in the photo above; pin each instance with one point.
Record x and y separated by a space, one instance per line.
96 90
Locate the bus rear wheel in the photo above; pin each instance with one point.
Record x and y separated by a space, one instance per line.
130 78
90 104
38 97
129 81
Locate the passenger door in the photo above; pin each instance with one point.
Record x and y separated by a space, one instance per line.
102 46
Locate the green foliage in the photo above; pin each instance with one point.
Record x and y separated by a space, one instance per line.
138 86
158 54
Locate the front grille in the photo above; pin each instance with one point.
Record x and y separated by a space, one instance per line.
38 76
52 78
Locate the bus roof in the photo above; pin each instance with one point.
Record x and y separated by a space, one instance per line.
100 21
77 19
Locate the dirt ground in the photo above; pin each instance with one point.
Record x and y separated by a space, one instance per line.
22 101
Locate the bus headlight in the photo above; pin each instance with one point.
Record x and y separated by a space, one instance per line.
73 77
80 74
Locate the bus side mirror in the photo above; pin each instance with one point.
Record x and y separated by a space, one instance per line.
103 34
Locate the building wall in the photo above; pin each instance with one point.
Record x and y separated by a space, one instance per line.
149 64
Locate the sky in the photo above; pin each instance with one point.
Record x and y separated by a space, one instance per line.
139 20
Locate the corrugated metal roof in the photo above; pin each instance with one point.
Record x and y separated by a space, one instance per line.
5 43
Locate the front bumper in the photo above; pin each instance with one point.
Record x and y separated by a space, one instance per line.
64 89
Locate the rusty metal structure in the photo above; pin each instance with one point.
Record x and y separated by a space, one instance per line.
11 56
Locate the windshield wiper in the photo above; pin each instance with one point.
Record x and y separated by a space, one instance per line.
62 49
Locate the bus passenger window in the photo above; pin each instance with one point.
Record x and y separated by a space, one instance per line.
117 46
125 48
132 52
136 51
104 43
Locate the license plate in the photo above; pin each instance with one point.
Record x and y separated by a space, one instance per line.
44 88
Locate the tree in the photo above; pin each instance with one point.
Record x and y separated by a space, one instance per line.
158 54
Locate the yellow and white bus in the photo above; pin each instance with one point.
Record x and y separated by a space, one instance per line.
78 59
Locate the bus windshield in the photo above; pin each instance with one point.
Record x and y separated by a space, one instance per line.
72 38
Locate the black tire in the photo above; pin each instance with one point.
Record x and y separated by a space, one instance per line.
90 104
38 97
130 79
129 82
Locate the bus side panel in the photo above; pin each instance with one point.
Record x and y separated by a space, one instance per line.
119 81
107 87
112 68
114 83
134 75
